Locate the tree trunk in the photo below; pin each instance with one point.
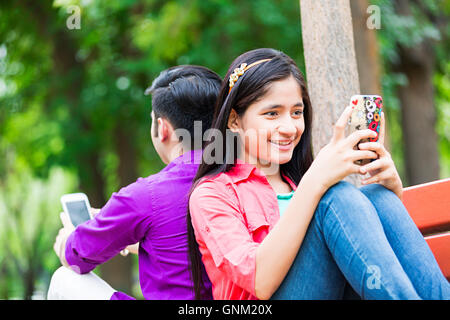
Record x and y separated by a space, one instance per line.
118 271
331 67
367 54
127 169
92 181
28 284
366 49
418 110
64 53
4 280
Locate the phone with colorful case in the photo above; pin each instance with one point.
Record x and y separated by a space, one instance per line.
366 114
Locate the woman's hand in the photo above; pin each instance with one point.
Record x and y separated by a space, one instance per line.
382 170
337 159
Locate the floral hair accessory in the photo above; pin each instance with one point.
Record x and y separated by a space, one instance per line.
240 71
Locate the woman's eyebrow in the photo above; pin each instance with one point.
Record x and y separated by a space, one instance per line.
275 106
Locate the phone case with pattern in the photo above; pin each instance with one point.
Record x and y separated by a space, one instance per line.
366 115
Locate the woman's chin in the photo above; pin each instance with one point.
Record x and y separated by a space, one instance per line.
282 157
283 160
277 160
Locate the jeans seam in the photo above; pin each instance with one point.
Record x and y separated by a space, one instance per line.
330 205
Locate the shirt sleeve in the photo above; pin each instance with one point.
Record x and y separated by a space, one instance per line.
221 231
121 222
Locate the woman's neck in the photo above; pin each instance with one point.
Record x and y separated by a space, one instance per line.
274 178
272 173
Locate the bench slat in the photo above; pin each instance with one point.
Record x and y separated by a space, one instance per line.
429 205
440 246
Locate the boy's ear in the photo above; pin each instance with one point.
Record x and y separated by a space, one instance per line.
165 129
233 121
163 132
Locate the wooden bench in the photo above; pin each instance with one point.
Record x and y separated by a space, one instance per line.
429 206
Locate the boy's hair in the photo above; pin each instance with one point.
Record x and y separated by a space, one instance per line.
184 94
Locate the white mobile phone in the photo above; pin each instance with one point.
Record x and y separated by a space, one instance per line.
77 207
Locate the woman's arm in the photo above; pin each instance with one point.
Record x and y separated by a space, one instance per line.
334 162
278 250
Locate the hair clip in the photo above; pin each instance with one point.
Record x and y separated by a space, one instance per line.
235 75
240 71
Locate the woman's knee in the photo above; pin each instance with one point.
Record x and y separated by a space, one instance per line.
342 197
387 203
376 191
342 190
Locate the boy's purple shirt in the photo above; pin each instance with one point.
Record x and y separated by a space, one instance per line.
151 211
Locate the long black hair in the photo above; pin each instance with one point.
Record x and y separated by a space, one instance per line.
250 87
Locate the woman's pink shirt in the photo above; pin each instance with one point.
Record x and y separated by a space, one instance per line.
231 214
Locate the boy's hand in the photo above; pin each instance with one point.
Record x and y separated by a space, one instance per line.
132 248
94 211
60 243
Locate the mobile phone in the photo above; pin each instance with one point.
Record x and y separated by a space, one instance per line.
77 207
366 114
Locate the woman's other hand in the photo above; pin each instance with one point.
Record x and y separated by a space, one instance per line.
382 170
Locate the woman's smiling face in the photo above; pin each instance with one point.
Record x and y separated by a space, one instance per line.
271 127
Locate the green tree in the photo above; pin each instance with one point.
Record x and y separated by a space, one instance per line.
415 51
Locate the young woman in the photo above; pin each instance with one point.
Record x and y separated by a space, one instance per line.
271 222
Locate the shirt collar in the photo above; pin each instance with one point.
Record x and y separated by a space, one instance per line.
242 171
191 157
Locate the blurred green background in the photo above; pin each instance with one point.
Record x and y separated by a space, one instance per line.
73 115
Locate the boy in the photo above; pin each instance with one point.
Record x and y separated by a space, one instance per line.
152 210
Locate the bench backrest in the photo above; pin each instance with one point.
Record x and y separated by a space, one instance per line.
429 207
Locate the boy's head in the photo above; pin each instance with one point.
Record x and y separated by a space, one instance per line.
180 96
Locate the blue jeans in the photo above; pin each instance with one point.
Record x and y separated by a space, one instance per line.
363 240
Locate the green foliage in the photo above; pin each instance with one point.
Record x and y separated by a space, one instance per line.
442 85
429 22
29 223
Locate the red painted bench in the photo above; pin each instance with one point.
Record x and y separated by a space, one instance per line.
429 206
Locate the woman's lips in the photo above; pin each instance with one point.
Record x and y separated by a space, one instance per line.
283 145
